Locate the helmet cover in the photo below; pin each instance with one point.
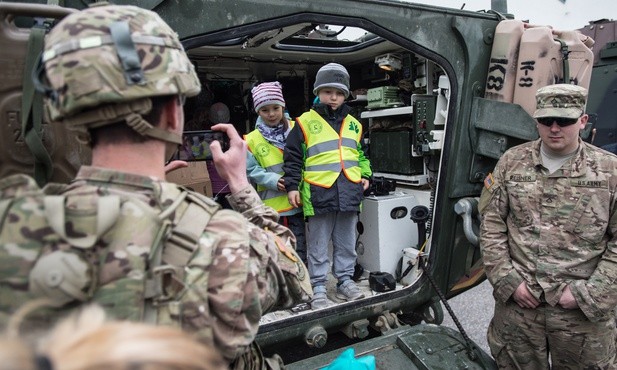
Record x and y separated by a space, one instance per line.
88 66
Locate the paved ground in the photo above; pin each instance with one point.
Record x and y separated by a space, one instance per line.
474 310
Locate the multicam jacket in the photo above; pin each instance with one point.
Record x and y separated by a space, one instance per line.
553 231
242 268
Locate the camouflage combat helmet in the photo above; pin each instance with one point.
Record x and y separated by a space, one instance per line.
103 65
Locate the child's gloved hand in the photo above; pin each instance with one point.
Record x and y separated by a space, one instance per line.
280 185
347 361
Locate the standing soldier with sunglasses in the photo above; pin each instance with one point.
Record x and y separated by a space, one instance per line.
549 244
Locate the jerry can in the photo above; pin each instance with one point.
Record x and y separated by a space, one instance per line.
547 57
501 78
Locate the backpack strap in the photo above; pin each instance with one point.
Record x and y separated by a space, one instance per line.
32 108
182 234
184 237
154 284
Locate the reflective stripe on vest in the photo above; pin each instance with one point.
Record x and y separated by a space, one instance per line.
271 159
328 152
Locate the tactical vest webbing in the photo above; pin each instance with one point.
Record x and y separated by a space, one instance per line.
271 159
328 152
121 254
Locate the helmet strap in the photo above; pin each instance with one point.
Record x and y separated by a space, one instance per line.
131 113
137 123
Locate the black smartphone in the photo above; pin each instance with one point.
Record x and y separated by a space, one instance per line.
196 145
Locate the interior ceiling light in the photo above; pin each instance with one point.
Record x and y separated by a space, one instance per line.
388 62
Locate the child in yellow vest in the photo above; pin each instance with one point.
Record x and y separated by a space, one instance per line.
326 173
264 165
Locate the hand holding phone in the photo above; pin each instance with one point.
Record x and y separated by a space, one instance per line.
231 164
196 145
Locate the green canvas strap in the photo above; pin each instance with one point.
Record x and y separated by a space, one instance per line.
168 259
153 284
32 110
566 64
184 237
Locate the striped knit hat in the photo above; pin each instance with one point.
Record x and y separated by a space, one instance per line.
267 93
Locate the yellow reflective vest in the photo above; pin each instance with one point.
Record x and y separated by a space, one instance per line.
328 152
271 159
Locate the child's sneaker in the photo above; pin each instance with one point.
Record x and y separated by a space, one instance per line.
320 299
348 291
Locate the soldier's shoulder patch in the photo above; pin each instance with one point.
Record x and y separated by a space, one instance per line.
489 181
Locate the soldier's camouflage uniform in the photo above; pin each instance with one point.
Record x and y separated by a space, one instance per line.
552 231
237 273
144 249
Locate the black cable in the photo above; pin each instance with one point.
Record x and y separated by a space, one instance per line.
431 206
469 344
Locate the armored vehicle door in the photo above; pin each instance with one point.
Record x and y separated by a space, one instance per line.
441 60
417 72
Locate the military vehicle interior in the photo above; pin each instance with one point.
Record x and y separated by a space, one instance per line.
401 99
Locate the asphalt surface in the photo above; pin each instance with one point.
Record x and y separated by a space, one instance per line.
474 310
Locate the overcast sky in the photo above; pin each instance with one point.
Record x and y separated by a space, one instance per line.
572 14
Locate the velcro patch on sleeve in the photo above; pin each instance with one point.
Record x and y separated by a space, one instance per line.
489 181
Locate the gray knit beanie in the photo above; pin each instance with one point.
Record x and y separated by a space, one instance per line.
332 75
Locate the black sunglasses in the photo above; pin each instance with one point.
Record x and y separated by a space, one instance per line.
561 122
